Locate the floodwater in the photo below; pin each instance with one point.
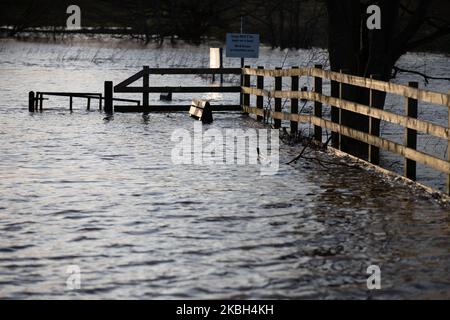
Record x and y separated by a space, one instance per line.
103 195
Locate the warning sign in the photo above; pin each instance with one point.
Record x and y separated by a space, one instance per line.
240 45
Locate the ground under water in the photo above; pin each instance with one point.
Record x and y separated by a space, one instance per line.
76 189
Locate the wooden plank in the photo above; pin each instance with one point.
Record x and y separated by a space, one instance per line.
258 92
129 81
181 89
389 87
431 161
277 72
194 71
253 110
410 138
74 94
419 125
201 110
171 108
126 100
301 118
388 145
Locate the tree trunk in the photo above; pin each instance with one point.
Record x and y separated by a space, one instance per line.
358 51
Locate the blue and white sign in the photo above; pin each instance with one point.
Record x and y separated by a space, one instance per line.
241 45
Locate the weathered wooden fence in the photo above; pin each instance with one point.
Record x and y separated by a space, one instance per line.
35 100
412 95
146 89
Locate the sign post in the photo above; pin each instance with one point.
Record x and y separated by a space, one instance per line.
241 45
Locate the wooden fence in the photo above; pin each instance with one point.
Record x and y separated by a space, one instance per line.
146 89
35 100
412 95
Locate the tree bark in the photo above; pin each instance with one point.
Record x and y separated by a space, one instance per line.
358 51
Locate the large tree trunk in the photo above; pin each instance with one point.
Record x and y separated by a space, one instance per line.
356 50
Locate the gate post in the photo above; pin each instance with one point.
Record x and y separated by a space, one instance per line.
146 81
108 97
31 101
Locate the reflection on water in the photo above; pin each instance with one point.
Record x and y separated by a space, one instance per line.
78 190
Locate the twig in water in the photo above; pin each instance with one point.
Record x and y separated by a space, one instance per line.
299 156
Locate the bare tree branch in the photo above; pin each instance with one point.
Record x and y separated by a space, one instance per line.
426 77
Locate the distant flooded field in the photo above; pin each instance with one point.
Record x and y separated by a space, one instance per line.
79 190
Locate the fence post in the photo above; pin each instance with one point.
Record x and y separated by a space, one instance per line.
260 99
88 104
246 98
318 105
411 134
108 97
340 112
31 101
374 125
146 82
71 103
278 87
294 103
241 95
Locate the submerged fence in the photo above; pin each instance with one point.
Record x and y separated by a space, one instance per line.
411 94
408 121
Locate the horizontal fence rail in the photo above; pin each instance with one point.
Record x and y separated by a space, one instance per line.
179 89
194 71
409 122
388 87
